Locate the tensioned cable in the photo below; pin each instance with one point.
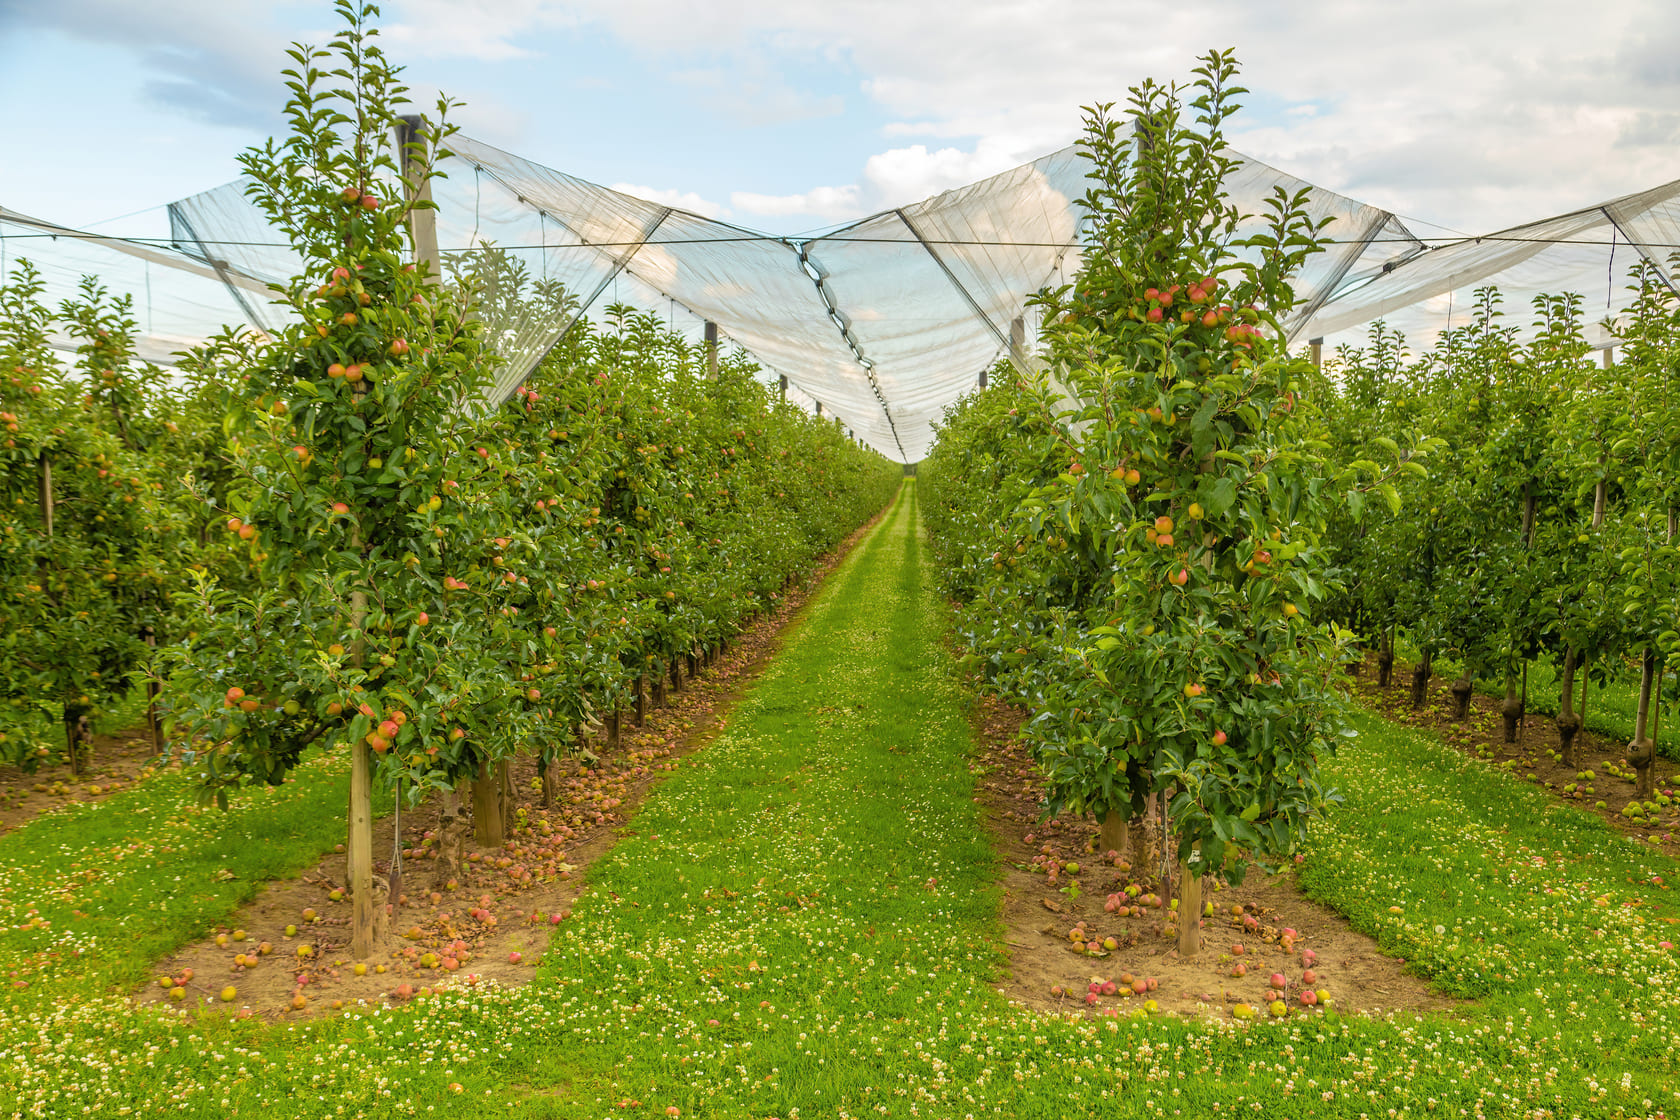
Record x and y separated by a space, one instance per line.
1442 243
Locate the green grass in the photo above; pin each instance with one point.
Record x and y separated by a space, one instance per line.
802 922
95 891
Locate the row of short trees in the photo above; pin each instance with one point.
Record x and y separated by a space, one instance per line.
1545 529
329 539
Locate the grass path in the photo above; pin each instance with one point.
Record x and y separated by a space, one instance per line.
802 923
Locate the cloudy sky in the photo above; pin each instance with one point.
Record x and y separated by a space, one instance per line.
1471 115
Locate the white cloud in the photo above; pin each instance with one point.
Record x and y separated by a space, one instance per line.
830 204
755 100
482 30
895 177
1475 116
677 199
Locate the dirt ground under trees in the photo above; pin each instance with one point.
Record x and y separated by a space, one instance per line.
1051 924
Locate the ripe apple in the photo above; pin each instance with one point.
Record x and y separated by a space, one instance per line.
1219 738
229 993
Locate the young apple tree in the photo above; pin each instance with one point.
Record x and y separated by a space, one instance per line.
1201 681
364 504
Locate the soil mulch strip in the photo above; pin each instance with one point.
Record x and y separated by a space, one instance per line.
1049 972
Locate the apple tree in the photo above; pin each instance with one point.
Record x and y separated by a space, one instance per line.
90 543
362 500
1200 676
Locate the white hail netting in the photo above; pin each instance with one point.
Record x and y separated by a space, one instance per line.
884 321
178 301
1587 252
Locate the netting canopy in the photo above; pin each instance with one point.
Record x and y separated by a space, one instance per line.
178 300
884 321
1588 252
881 322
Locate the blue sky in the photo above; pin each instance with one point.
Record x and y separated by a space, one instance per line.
1472 115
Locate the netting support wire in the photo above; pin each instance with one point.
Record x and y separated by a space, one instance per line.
1610 268
1350 257
1643 250
1019 358
819 276
502 392
178 220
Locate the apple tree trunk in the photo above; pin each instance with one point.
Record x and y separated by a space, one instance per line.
487 806
1642 752
1568 723
1112 835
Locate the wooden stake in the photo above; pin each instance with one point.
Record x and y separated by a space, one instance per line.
46 494
153 724
641 699
359 845
422 221
361 850
1189 912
